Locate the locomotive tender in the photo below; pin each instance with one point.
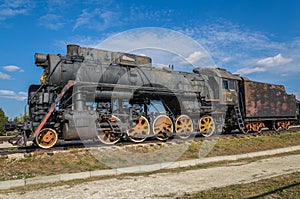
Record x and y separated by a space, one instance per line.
91 93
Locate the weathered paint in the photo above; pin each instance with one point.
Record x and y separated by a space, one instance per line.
268 100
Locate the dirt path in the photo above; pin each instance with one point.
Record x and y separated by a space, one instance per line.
157 185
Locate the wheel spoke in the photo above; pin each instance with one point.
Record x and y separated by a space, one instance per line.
184 126
46 138
162 127
140 131
206 125
109 136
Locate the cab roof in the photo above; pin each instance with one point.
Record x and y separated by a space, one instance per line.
219 72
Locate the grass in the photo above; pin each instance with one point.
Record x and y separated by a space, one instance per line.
79 160
43 165
72 183
286 186
12 149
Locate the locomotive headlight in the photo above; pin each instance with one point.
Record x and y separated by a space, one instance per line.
43 78
41 60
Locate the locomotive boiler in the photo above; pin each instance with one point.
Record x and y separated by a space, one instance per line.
97 94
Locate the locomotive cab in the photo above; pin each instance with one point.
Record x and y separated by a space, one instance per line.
224 95
229 91
222 85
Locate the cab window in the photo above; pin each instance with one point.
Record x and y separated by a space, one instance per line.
225 84
228 84
231 85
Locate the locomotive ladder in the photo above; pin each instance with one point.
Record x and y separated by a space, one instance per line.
240 120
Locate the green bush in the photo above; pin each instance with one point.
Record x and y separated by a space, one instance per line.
3 119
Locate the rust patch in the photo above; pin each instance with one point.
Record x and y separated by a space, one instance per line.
268 100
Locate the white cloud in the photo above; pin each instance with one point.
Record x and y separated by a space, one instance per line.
274 61
83 19
4 76
7 92
226 34
167 44
52 21
55 6
108 14
12 68
226 59
246 71
263 65
231 45
143 13
10 9
97 19
249 52
195 57
20 96
55 16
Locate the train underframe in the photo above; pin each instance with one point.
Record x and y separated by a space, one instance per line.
89 112
255 125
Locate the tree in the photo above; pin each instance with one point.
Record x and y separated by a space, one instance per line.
3 119
21 118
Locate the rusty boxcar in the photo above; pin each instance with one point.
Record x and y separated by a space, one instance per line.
267 105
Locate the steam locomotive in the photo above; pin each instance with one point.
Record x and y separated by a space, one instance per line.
98 94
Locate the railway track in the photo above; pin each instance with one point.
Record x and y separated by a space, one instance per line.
69 145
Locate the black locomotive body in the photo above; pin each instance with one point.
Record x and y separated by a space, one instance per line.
91 93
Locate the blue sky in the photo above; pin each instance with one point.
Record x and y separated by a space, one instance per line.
259 39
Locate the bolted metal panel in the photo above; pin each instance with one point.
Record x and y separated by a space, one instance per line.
268 100
108 57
